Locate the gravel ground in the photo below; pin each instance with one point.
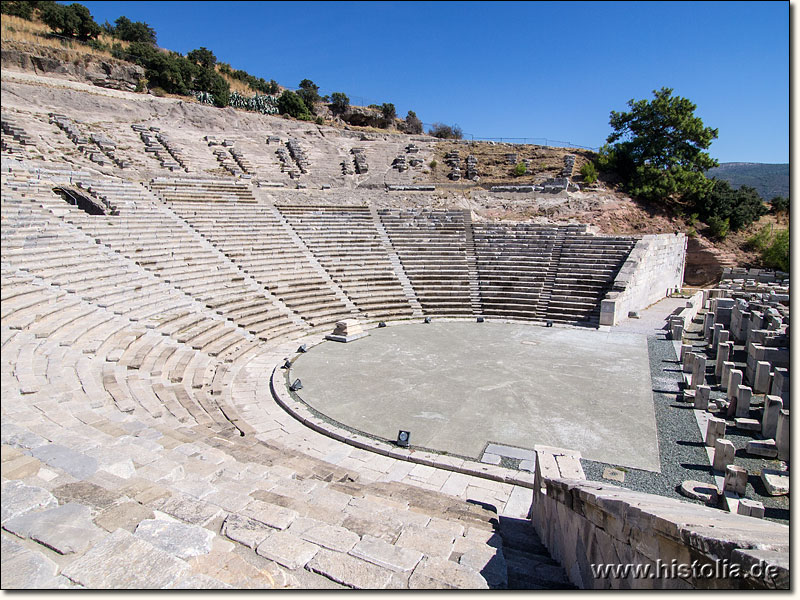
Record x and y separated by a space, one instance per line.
680 442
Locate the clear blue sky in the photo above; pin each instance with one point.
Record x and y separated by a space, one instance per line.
549 70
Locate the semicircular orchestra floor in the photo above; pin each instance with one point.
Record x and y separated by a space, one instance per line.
459 386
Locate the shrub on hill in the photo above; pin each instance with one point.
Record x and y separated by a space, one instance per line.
774 247
22 8
589 173
131 31
309 94
520 169
413 124
339 103
446 132
740 207
780 205
74 20
293 105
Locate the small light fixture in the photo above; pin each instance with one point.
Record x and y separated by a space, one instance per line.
297 385
427 319
402 438
549 323
382 324
480 319
287 364
302 348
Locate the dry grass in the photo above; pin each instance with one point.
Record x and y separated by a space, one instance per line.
15 29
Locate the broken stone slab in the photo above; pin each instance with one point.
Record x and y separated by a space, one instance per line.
126 515
123 561
19 499
735 480
75 463
776 482
178 539
748 424
331 536
287 550
277 517
65 529
724 451
245 530
26 569
697 490
440 573
765 448
383 554
750 508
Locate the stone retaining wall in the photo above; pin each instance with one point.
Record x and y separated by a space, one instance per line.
653 269
585 522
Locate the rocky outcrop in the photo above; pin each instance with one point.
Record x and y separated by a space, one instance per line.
102 72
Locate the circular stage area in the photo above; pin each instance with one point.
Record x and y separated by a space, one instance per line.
460 386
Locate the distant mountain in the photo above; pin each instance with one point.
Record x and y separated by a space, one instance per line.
769 180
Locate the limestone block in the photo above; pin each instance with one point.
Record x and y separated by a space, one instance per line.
780 384
698 371
751 508
701 397
26 569
439 573
761 383
19 498
65 529
388 556
769 421
724 451
735 480
685 348
735 377
765 448
715 431
743 396
350 571
688 361
727 366
697 490
748 424
348 327
782 434
776 482
178 539
287 550
723 355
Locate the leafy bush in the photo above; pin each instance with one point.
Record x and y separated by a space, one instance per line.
446 132
133 31
740 207
413 124
319 121
433 164
293 105
388 111
718 227
520 169
776 255
21 9
589 173
203 57
74 20
309 94
339 103
779 205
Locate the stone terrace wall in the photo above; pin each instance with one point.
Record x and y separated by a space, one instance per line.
654 268
585 522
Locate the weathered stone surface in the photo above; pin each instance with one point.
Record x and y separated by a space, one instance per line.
19 437
751 508
186 508
86 493
20 467
765 448
75 463
273 515
724 451
126 515
179 539
769 422
245 530
697 490
109 565
383 554
715 430
199 582
440 573
287 549
331 537
489 563
243 572
19 498
65 529
776 482
25 569
748 424
429 542
775 578
735 480
350 571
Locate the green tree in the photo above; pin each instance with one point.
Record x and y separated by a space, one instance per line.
659 148
134 31
520 169
739 207
309 94
339 103
776 255
413 123
446 132
779 205
74 20
589 173
293 105
388 111
203 57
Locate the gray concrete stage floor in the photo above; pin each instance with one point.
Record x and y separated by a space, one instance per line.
457 386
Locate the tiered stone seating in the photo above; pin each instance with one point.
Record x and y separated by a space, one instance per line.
587 266
432 247
513 262
253 237
346 243
201 190
14 138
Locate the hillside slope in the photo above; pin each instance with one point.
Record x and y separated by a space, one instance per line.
769 180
